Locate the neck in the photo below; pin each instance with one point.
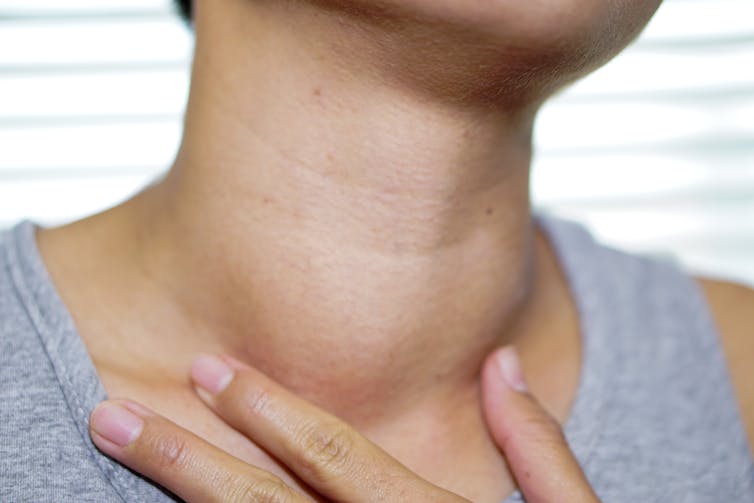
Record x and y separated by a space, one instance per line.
363 239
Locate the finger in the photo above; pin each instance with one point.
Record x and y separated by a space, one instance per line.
177 459
321 449
531 439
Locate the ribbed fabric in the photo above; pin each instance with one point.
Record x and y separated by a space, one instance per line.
654 420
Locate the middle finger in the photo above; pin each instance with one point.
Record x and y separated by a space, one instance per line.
324 451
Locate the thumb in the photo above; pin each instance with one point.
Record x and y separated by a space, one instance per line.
531 440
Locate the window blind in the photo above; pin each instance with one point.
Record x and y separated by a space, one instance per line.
654 152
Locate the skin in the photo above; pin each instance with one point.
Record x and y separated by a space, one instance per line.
349 214
733 309
326 453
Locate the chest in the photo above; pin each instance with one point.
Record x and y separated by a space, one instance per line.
483 478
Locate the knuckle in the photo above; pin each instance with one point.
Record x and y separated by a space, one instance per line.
326 452
172 452
256 400
535 428
266 490
543 428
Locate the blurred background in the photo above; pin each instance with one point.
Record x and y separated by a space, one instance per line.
654 152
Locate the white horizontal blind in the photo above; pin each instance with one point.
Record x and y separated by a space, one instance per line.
91 98
654 152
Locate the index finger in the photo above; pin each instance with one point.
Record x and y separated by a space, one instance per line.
321 449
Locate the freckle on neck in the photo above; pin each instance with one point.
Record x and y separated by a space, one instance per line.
317 91
490 211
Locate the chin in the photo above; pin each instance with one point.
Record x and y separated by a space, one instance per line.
534 22
525 47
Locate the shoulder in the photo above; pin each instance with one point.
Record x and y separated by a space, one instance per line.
732 306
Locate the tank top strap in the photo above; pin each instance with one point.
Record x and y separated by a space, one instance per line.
655 413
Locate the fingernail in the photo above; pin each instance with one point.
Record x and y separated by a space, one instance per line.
510 368
211 373
116 423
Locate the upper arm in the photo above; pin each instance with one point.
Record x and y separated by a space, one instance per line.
733 309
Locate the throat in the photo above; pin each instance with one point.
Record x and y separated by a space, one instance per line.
365 333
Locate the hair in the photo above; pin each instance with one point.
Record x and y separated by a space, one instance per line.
184 6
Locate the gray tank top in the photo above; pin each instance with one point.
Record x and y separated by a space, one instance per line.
654 418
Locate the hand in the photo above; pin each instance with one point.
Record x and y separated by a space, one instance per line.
323 451
531 440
